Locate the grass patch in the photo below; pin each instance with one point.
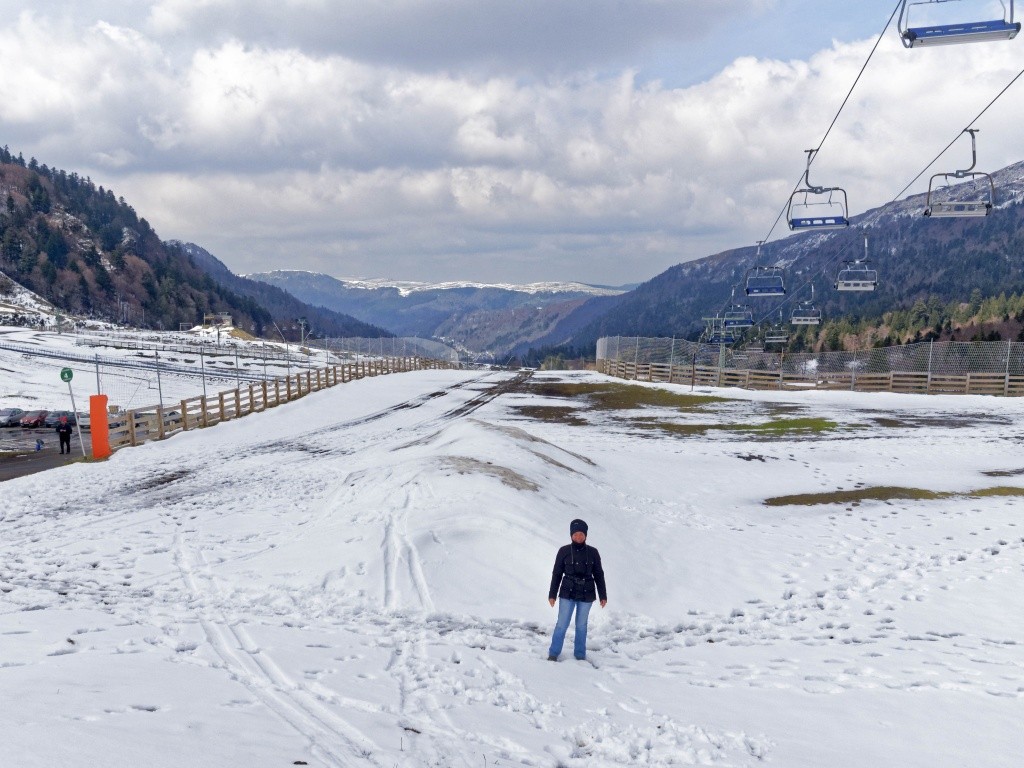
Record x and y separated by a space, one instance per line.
552 413
881 493
1003 472
618 397
767 430
787 426
886 493
238 333
999 490
686 430
888 423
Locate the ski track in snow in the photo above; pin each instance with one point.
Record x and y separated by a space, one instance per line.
354 580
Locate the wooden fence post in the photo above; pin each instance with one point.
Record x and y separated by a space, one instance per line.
184 416
131 427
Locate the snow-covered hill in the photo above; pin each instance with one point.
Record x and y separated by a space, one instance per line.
360 578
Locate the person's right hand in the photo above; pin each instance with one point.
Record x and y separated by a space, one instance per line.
551 602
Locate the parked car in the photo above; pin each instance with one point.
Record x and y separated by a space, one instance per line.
54 417
10 417
33 419
84 420
144 419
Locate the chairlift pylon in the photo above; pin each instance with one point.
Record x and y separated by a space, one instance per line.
960 31
820 208
857 275
962 208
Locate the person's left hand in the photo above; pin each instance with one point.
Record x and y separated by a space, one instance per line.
604 603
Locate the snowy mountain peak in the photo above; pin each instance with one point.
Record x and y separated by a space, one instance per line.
407 287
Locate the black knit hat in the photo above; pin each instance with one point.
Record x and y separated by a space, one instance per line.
577 525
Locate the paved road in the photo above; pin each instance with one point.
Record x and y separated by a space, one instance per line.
19 457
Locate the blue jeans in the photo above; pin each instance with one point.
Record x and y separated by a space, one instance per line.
565 609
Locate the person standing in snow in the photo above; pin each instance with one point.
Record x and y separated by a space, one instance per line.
64 431
577 580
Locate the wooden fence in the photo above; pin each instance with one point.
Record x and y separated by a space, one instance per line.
919 383
134 427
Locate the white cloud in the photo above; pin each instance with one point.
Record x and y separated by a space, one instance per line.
429 35
272 154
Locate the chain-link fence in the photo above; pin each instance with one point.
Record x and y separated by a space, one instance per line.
141 370
992 367
395 346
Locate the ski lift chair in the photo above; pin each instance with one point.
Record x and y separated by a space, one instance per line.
974 208
738 315
961 32
820 207
776 336
805 313
857 276
716 332
765 281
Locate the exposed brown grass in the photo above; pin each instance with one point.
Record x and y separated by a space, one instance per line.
886 493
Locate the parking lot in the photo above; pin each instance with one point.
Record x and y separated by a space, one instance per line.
18 454
18 440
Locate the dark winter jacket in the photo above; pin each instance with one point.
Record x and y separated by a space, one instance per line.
65 431
578 569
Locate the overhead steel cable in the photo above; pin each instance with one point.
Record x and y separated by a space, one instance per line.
835 119
828 131
835 259
961 133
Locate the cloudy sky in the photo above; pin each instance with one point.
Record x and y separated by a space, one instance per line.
493 140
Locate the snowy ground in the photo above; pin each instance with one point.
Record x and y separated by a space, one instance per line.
31 361
360 578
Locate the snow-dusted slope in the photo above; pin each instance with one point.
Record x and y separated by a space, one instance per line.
360 578
16 300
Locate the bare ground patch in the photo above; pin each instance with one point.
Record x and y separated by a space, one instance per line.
467 466
885 493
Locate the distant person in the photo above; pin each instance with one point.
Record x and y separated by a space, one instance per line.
64 430
578 570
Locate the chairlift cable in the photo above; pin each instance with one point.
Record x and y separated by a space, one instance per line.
958 135
857 80
849 93
838 257
791 295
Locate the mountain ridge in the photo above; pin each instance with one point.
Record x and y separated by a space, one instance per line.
917 258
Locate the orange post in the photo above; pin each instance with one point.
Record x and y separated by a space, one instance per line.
99 429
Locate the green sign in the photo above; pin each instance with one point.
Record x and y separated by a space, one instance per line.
66 374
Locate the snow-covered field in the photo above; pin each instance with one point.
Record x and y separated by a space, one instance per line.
360 578
31 361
